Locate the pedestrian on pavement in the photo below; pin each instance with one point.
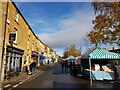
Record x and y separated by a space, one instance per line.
48 62
27 67
28 70
41 60
62 65
33 65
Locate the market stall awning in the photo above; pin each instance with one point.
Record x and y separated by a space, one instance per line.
70 57
99 53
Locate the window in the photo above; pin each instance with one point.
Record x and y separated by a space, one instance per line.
15 30
29 33
16 16
8 21
13 36
32 46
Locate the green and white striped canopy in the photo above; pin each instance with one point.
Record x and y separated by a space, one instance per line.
99 53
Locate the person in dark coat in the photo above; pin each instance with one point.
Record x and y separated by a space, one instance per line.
33 66
62 65
48 61
66 65
70 68
74 69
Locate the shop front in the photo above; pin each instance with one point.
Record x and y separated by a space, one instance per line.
13 61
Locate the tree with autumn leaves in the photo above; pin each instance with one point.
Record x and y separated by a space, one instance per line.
106 23
71 51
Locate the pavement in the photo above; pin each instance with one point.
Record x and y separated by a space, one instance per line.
22 77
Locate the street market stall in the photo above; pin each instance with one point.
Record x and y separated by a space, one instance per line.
77 61
95 64
70 58
78 65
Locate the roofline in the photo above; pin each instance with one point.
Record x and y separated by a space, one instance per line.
25 21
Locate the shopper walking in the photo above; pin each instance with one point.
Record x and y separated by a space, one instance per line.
70 68
33 65
66 66
27 67
62 65
48 62
74 69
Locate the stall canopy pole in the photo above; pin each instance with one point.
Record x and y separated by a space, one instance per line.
90 71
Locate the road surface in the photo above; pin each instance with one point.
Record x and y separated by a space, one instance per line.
53 77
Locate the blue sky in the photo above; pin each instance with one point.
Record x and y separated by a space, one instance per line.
45 15
59 24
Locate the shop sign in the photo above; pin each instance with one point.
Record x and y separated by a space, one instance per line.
14 50
34 53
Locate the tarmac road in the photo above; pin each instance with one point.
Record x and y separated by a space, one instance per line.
53 77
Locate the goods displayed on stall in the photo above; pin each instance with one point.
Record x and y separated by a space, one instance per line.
106 69
97 67
100 73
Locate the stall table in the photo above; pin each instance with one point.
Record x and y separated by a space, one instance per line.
100 75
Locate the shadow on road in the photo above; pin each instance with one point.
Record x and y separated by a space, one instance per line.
69 85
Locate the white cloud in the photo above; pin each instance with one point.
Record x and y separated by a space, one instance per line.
110 46
48 30
37 21
74 29
41 21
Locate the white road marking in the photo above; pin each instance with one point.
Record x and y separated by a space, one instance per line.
15 85
7 86
20 82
